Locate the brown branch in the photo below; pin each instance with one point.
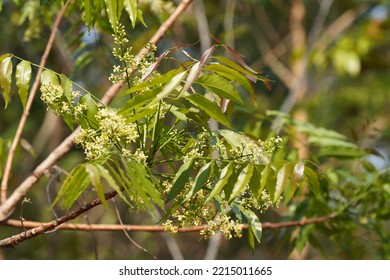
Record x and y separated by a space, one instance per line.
7 207
37 228
46 227
33 91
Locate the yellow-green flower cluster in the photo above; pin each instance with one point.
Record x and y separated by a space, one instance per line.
112 131
224 224
53 96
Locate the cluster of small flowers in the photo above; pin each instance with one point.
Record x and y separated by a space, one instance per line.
198 149
53 96
224 224
112 130
162 107
271 145
170 227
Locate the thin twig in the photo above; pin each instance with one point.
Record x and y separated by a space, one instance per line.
33 91
7 207
135 243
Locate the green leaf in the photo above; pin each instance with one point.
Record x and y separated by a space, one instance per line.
132 9
181 178
201 179
242 180
255 182
114 11
169 87
74 185
48 76
253 222
346 153
281 181
209 107
237 67
94 175
146 184
312 179
223 179
23 76
89 120
6 76
232 75
220 86
161 79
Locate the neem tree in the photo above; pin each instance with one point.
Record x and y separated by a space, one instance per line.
168 148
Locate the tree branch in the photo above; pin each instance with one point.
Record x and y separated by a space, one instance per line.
26 112
37 228
8 206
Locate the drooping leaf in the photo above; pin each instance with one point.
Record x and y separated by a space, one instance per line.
94 175
23 77
74 185
312 179
242 180
147 184
114 11
209 107
5 77
222 180
181 178
132 9
281 181
220 86
253 221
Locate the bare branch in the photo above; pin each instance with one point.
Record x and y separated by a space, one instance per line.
34 89
7 207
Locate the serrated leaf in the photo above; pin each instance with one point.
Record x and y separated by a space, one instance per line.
222 180
23 76
181 178
220 86
281 181
132 9
5 77
94 175
209 107
242 180
74 185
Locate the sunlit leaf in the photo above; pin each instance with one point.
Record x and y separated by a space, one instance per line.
233 75
223 179
201 179
181 178
89 119
132 8
209 107
169 87
23 77
74 185
220 86
48 76
94 175
242 181
5 77
281 181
